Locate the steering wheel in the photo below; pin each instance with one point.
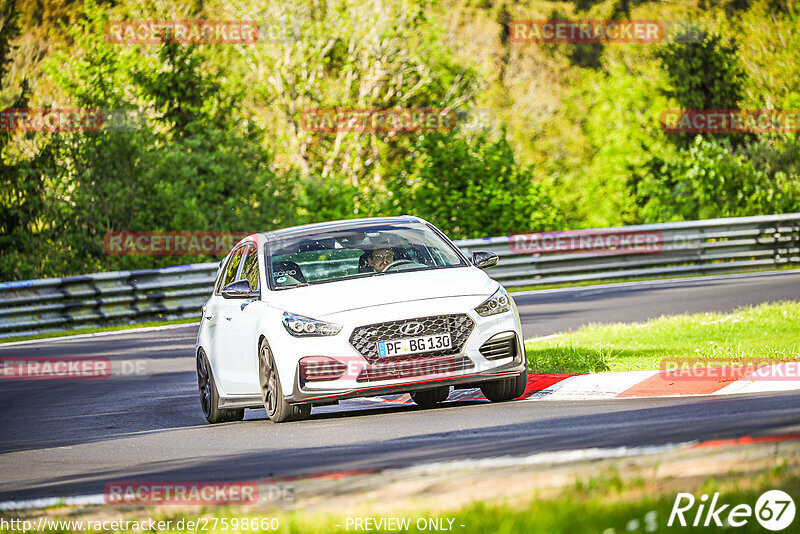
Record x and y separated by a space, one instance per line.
396 263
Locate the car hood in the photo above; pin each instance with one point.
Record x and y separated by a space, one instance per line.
320 300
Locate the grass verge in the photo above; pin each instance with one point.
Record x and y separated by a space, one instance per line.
610 506
764 333
609 502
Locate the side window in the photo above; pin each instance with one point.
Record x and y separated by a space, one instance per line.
250 267
232 268
220 276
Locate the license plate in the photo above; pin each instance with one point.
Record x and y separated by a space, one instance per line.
414 345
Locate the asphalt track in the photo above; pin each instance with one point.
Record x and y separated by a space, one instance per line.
66 438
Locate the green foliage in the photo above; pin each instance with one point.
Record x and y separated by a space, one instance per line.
8 32
333 198
23 206
714 175
471 188
22 184
221 147
599 194
180 91
703 75
216 179
356 56
192 166
711 179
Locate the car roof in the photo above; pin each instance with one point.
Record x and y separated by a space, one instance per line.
347 224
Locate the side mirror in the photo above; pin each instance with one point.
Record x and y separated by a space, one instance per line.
240 290
483 259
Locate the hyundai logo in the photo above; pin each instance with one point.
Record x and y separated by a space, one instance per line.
412 329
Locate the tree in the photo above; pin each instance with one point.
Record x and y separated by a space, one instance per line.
712 179
180 91
471 188
22 177
348 55
192 165
703 75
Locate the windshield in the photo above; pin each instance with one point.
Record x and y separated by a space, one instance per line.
352 253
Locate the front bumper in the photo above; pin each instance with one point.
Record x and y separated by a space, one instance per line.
469 364
302 394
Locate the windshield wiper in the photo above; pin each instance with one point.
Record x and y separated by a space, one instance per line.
298 284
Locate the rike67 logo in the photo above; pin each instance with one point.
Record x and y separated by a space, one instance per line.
774 510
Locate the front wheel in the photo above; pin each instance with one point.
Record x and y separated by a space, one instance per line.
506 389
429 398
278 410
209 397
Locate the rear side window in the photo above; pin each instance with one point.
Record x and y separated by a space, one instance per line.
250 267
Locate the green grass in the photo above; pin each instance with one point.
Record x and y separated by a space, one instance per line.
764 333
95 330
602 503
608 511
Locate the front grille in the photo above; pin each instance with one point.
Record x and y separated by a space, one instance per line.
365 338
500 346
413 366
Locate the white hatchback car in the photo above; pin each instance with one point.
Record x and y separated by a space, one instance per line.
310 315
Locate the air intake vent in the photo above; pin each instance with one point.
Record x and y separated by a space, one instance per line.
500 346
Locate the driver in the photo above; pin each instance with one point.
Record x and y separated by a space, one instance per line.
380 258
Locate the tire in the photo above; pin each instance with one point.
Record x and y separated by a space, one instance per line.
429 398
209 397
506 389
278 410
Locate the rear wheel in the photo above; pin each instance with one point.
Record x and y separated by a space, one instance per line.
278 410
506 389
209 398
430 397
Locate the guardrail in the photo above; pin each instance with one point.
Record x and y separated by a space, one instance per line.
684 248
671 249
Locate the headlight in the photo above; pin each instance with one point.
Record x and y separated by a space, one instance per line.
300 326
498 303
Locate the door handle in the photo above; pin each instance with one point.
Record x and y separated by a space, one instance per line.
209 316
229 317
